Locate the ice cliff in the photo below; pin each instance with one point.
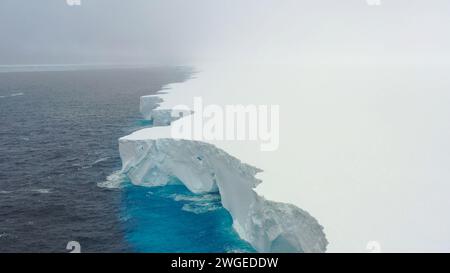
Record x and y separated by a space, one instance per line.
151 158
268 226
149 108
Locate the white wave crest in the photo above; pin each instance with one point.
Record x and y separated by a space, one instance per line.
100 160
113 181
199 208
42 191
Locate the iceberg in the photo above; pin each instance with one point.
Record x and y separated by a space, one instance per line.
268 226
148 104
153 157
364 125
149 108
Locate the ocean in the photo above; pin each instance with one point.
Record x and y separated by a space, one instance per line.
59 135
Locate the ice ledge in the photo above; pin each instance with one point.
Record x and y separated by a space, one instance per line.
268 226
149 107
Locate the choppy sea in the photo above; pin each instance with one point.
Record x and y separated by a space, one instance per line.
58 143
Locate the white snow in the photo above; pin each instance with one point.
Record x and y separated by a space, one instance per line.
363 148
364 113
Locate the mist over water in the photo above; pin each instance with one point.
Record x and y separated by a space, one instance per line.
197 31
367 111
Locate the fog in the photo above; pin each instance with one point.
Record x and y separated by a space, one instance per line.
364 133
184 32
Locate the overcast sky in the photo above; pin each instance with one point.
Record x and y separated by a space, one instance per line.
373 131
186 31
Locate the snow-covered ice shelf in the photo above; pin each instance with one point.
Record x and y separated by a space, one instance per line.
151 157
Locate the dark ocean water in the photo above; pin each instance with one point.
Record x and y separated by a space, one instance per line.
59 138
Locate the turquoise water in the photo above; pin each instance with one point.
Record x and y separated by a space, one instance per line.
59 132
58 135
171 219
